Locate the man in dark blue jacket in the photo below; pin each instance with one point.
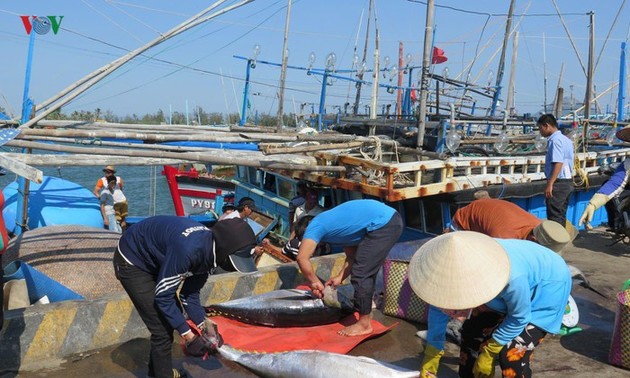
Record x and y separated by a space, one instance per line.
159 255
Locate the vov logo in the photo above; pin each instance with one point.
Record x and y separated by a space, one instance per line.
41 25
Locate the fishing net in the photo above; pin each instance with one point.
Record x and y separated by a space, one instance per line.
78 257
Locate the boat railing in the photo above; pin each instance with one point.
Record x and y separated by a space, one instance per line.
412 179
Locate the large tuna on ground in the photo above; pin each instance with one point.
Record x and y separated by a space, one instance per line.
313 364
285 308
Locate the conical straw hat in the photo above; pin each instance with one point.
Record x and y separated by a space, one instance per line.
459 270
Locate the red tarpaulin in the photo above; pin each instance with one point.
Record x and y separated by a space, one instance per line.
267 339
438 56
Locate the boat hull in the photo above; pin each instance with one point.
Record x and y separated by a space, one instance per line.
196 194
53 202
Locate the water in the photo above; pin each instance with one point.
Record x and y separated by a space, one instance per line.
145 187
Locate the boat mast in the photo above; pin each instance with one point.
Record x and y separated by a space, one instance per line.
497 90
544 76
424 81
376 73
357 100
283 71
622 83
510 107
589 77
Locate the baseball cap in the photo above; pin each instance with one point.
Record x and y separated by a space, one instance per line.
243 261
233 241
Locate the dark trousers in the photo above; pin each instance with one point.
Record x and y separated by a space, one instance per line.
515 355
369 258
557 205
141 289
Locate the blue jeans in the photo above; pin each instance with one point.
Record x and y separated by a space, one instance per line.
113 224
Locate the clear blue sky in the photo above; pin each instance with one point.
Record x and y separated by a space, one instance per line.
94 33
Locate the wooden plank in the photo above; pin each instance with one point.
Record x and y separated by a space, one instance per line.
21 169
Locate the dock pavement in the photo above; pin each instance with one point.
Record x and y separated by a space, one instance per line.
579 355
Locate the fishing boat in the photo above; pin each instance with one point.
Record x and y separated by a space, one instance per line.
197 192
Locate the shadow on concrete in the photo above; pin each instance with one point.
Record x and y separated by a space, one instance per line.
599 240
132 356
10 351
594 341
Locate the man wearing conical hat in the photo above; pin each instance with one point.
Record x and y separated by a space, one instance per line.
513 292
611 188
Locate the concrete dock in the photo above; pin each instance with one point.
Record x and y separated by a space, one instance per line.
583 354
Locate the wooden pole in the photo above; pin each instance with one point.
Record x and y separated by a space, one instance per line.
426 61
501 68
244 158
510 107
283 71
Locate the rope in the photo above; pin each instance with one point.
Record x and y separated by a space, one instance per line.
374 176
580 178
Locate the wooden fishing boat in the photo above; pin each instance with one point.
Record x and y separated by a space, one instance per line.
197 193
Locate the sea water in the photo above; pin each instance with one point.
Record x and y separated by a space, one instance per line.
145 187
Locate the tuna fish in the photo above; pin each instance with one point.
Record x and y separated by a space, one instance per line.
313 364
285 308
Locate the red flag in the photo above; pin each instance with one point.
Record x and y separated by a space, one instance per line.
438 56
414 95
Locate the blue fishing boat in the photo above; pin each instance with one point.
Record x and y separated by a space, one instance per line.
53 202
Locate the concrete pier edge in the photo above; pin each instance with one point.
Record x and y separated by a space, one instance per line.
39 335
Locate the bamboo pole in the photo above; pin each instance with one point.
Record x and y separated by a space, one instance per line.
82 160
271 150
245 158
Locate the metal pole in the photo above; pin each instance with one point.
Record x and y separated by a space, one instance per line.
400 80
322 100
283 71
424 86
245 94
621 96
21 209
497 90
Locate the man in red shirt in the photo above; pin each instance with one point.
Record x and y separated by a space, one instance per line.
506 220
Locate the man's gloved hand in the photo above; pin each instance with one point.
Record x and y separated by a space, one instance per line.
196 347
210 334
595 203
484 366
430 362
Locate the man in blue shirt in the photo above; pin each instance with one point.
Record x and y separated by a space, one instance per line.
513 292
158 255
367 230
558 169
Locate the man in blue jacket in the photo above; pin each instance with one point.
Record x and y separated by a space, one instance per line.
513 292
367 230
159 255
611 188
